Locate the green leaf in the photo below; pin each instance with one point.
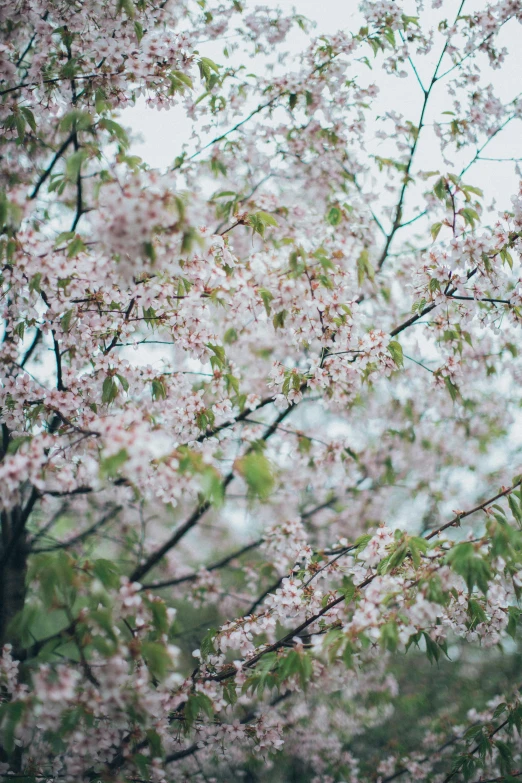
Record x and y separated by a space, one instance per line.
472 189
18 121
195 705
361 543
159 616
473 568
55 574
138 29
407 20
207 646
450 386
395 349
212 487
506 257
260 220
107 572
20 627
230 693
417 546
230 336
476 613
440 189
347 588
267 297
63 237
505 755
348 655
29 117
109 390
210 64
515 509
76 246
305 669
289 665
334 216
76 120
514 616
179 81
258 474
110 465
433 650
389 35
127 6
10 715
389 636
364 267
435 229
499 710
103 618
470 216
74 164
159 389
34 283
157 659
116 130
218 360
124 382
396 558
65 320
279 319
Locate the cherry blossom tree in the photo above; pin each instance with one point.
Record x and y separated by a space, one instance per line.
260 460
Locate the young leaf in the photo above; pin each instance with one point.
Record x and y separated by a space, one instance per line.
258 474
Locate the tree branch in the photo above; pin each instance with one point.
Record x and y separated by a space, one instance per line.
51 165
154 558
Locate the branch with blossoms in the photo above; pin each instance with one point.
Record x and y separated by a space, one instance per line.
194 518
241 393
293 590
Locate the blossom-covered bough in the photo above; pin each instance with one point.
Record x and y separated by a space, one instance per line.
260 457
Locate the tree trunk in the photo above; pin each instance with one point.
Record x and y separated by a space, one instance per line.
13 569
